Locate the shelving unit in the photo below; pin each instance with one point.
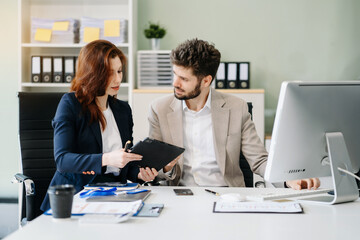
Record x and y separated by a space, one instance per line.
59 9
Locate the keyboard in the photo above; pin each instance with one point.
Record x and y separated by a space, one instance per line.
283 193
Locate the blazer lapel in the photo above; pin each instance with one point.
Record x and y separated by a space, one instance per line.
220 118
95 128
175 124
121 122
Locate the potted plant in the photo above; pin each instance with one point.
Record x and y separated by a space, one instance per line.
154 32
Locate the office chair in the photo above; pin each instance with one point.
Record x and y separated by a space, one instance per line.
36 111
244 165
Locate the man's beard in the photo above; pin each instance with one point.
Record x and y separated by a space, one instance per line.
193 94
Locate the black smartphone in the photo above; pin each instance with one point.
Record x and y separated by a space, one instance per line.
183 191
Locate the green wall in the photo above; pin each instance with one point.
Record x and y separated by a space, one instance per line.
283 39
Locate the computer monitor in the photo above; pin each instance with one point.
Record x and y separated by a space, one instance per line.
317 122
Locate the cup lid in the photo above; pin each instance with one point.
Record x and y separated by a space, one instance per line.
62 189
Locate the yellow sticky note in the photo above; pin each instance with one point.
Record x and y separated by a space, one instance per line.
61 26
111 28
43 35
91 34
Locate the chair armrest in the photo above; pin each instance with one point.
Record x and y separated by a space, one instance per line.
28 182
19 177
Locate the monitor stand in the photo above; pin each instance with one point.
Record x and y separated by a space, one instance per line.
345 187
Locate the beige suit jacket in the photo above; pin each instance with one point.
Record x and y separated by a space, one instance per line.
233 131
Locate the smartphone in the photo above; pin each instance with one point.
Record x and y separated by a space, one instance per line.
183 191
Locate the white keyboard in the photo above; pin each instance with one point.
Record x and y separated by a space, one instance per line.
282 193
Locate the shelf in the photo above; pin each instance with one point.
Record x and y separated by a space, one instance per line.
55 85
29 84
75 9
51 45
171 90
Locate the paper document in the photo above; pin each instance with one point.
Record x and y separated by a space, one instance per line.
80 208
257 207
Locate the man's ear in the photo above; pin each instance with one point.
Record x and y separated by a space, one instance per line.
206 81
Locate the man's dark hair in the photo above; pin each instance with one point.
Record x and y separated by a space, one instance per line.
203 58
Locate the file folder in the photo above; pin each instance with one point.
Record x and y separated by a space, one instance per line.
76 64
220 80
232 77
58 69
244 75
35 69
68 69
46 69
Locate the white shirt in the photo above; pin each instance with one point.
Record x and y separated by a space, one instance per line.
200 167
111 139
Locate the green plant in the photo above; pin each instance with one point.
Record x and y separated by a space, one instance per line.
154 31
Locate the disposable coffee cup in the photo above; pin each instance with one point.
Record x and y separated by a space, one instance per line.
61 199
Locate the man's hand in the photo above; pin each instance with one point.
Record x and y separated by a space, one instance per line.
304 183
171 165
147 174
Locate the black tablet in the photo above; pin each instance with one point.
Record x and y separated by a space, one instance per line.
156 154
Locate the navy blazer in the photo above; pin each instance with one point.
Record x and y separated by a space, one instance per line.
78 144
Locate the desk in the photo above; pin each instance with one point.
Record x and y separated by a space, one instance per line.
191 217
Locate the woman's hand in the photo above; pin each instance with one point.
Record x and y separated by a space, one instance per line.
147 174
171 164
304 183
119 158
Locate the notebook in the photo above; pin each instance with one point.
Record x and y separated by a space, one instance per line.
107 185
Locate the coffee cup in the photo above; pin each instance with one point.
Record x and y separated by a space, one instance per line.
61 199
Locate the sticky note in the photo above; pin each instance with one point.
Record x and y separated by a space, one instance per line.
43 35
91 34
111 28
61 26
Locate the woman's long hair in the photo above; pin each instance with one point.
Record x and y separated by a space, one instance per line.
92 76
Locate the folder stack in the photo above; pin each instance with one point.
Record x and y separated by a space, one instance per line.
233 75
54 30
53 69
113 30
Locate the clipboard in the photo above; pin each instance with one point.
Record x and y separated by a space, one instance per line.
156 154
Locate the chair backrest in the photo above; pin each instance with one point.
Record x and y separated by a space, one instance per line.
36 110
244 165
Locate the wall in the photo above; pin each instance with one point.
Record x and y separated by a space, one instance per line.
8 99
283 39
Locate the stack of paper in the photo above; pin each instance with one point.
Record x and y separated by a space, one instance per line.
257 207
113 30
54 30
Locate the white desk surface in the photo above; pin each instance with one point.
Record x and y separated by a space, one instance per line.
191 217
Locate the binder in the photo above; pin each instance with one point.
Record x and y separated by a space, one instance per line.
35 69
76 64
220 81
46 69
68 69
58 76
244 75
232 77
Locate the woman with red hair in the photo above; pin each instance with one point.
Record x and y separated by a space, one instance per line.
91 126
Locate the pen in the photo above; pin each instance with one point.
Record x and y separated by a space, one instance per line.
127 145
217 194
